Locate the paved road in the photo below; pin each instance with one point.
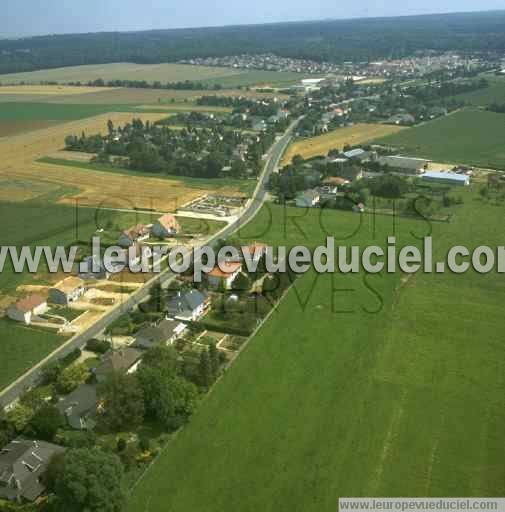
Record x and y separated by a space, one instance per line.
32 376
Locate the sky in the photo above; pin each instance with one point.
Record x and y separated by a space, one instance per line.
36 17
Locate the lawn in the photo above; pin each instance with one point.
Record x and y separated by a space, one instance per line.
22 347
337 139
356 386
473 137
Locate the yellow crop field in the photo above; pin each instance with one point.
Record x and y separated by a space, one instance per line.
49 90
20 152
337 139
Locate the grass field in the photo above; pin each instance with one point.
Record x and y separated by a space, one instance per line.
356 386
21 348
337 139
472 137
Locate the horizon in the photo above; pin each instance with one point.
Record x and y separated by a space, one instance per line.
12 33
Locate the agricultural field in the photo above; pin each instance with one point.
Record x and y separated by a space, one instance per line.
20 168
120 71
8 128
337 139
21 348
494 93
81 161
346 380
225 77
473 137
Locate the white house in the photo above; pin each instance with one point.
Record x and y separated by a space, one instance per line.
308 199
27 308
187 306
218 277
66 291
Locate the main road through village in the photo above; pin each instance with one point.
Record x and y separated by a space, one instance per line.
10 394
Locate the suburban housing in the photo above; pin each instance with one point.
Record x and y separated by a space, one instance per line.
308 199
166 332
66 291
79 407
27 308
124 360
187 306
22 466
218 277
165 226
134 235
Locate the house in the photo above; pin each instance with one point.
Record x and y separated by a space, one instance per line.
23 464
124 360
165 333
352 173
354 153
404 164
187 306
165 226
335 181
224 275
401 119
134 235
447 178
66 291
27 308
80 407
94 267
308 199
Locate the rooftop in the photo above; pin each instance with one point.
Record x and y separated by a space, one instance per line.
69 284
29 303
225 268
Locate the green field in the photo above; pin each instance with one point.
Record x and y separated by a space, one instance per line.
473 137
22 347
28 111
495 92
356 386
244 186
226 77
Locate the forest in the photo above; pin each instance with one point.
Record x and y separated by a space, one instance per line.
329 40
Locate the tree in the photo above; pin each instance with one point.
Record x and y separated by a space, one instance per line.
46 422
161 357
19 417
123 402
205 370
72 377
89 481
168 397
215 360
241 283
